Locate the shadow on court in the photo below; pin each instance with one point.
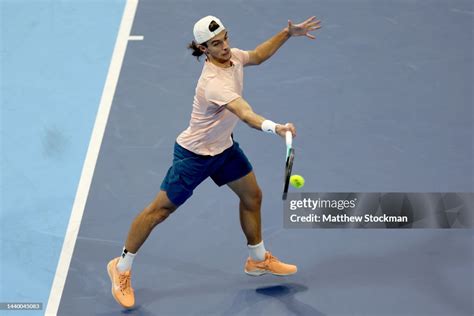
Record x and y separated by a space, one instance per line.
285 293
245 301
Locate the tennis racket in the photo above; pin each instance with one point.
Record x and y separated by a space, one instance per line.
290 155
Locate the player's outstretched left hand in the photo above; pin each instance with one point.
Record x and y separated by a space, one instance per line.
303 28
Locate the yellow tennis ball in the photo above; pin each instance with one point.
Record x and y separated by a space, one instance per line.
297 181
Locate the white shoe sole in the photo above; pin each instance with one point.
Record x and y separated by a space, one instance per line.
262 272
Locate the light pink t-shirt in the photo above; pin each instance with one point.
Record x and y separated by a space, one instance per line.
211 125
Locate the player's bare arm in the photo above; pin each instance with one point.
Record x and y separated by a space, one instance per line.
269 47
244 111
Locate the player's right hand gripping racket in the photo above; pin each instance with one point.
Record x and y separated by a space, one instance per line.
290 155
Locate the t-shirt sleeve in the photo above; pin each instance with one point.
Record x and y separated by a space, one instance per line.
241 55
219 93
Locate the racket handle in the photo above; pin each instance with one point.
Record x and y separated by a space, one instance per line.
289 139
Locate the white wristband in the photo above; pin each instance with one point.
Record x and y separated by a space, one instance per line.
268 126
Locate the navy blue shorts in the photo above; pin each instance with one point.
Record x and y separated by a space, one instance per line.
190 169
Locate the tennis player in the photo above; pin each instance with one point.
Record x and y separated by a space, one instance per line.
207 149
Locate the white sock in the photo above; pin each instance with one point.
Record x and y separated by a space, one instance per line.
257 252
125 261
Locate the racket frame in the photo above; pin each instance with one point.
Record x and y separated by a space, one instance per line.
290 156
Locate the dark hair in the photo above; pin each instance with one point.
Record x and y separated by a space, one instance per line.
196 51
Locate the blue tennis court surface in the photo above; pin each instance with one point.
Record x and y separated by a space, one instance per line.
55 58
382 101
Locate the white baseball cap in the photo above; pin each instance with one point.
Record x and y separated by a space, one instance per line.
206 28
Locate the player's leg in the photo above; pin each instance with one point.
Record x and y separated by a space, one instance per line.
236 172
156 212
186 173
119 269
260 261
250 203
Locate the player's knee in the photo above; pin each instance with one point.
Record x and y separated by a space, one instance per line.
161 215
158 213
253 199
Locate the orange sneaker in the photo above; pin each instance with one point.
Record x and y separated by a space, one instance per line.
121 285
271 265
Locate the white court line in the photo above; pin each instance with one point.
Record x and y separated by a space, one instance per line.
91 158
135 38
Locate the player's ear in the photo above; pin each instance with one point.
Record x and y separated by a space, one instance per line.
203 49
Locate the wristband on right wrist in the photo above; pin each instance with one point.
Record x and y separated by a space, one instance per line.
268 126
